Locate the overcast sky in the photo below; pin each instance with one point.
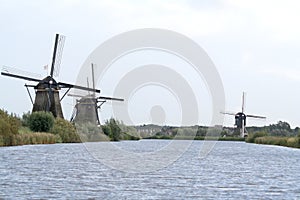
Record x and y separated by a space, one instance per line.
254 45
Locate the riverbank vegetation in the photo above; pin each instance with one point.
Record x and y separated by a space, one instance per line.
43 128
165 137
35 128
276 134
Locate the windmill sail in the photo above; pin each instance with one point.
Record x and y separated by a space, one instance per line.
240 118
20 77
93 78
47 89
57 55
243 103
256 116
15 71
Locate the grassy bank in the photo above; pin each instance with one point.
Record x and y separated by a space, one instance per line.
264 138
167 137
43 128
29 138
35 128
281 141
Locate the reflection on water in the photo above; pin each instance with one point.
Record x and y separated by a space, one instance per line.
233 170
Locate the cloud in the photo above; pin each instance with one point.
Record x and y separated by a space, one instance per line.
176 15
275 18
285 73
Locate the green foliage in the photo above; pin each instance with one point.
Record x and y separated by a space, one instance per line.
24 130
25 118
271 140
281 141
117 130
186 131
251 138
201 131
106 129
112 129
40 121
125 136
90 132
65 130
293 142
9 125
12 133
128 132
35 138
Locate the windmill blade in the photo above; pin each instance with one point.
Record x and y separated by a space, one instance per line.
256 116
243 102
20 77
88 84
228 113
111 98
57 54
67 85
75 95
93 77
20 72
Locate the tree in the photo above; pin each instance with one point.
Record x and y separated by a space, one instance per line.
9 126
280 129
65 130
40 121
25 118
112 129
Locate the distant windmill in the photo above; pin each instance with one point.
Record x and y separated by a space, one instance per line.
86 108
240 118
47 89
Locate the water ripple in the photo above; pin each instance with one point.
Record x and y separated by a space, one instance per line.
233 170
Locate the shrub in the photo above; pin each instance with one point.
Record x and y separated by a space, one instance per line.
65 130
272 140
112 129
9 125
251 138
106 130
35 138
25 118
293 142
1 141
90 132
40 121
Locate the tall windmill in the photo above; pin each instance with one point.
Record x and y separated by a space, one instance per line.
86 108
240 118
47 90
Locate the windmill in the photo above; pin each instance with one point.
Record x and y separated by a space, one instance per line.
86 108
47 90
240 118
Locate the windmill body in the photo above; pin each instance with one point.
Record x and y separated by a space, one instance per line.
86 108
240 118
47 96
46 100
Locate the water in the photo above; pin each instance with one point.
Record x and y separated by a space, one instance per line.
232 170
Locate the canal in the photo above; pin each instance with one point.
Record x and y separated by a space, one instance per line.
231 170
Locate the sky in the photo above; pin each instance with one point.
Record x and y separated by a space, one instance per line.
254 45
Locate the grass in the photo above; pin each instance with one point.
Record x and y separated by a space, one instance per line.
35 138
168 137
26 136
281 141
